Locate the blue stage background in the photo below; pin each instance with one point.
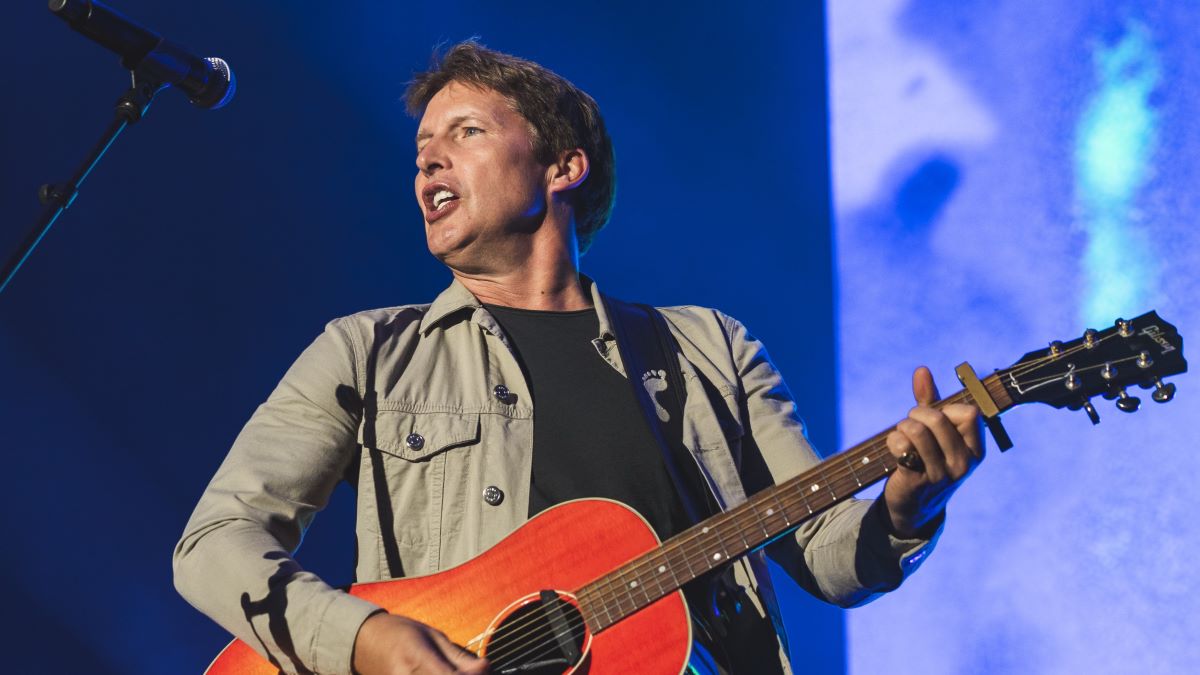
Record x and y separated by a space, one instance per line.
1005 174
210 247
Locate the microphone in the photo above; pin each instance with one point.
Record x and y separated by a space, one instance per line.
207 82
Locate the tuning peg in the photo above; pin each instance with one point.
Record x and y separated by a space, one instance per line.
1072 382
1144 361
1124 328
1163 391
1091 412
1089 338
1109 371
1127 403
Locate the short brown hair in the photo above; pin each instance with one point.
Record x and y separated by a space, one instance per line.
561 115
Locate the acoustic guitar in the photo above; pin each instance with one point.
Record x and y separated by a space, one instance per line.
586 586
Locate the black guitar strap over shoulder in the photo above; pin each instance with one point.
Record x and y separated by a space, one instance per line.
651 358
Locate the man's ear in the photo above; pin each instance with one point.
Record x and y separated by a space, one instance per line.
569 171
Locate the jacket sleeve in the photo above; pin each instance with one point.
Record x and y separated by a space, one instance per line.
846 555
234 562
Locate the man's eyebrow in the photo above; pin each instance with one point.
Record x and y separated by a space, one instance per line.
454 122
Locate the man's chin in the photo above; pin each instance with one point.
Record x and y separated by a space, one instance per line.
455 255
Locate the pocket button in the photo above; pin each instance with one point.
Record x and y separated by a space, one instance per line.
493 495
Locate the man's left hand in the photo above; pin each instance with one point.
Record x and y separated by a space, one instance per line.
949 444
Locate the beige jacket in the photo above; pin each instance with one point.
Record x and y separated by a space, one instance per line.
431 372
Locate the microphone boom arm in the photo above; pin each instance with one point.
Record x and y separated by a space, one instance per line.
130 108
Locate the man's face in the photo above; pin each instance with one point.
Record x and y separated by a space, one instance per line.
479 185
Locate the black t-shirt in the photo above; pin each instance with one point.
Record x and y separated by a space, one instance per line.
589 437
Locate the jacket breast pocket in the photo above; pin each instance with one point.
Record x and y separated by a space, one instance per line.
418 436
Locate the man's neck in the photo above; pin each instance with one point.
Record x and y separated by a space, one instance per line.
556 288
538 272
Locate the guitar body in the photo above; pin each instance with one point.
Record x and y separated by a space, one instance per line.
560 549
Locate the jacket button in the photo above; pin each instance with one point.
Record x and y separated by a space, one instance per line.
501 393
493 495
415 441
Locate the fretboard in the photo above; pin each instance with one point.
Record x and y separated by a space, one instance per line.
729 535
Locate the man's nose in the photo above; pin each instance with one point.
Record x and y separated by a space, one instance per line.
431 158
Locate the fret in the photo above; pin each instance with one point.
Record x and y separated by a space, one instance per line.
760 508
671 568
711 558
779 505
865 463
594 605
825 480
629 586
684 557
756 504
738 518
850 465
652 564
663 567
622 588
744 515
639 584
604 604
804 498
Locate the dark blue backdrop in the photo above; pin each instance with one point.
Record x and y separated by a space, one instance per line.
210 247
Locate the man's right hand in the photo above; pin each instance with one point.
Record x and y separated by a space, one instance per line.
393 645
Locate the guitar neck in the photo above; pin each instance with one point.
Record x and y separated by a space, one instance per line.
764 517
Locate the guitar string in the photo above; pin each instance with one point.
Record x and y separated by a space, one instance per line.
638 567
607 598
591 594
538 649
1051 378
1042 360
523 649
648 560
608 591
876 445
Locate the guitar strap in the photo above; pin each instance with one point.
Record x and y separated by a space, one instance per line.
651 359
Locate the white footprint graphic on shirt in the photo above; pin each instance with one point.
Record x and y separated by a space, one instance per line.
656 381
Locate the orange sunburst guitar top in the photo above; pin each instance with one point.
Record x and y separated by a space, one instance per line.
493 604
586 587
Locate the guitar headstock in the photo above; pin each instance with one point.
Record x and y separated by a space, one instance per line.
1139 352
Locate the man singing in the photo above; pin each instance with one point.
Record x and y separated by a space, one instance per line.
514 391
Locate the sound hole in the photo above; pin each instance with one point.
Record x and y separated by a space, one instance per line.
525 641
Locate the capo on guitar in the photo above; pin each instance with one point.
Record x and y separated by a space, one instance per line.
987 406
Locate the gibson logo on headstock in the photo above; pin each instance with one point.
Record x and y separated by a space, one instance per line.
1155 333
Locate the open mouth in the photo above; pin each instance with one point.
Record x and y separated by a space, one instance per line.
439 200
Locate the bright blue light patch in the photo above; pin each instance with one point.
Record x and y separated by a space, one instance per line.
1113 158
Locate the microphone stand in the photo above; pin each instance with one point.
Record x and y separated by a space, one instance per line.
131 107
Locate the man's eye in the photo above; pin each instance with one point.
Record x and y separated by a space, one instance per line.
471 131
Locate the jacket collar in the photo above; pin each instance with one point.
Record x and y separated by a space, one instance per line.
456 297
